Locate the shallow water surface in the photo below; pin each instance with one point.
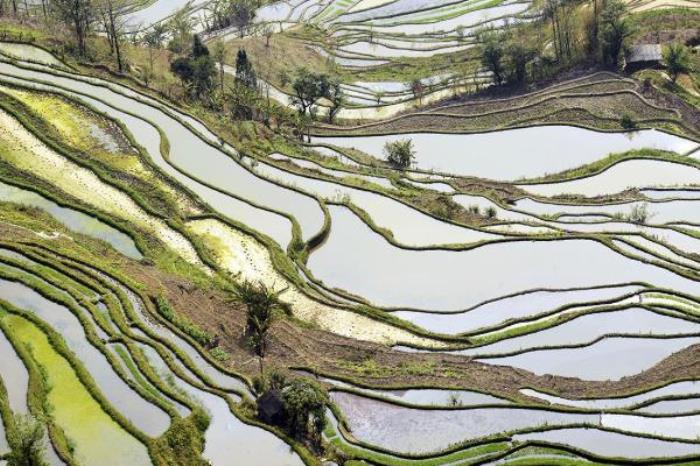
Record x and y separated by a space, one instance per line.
409 430
612 444
676 388
513 154
587 328
657 212
197 157
72 219
14 375
422 396
227 437
73 408
158 11
29 52
360 261
408 225
608 359
145 416
514 307
622 176
686 405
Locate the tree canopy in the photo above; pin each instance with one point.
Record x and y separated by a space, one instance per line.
305 404
262 304
614 29
677 60
237 13
26 440
77 14
400 153
492 53
245 73
196 70
309 88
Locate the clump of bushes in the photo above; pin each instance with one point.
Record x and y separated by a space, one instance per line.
639 214
26 440
400 153
183 443
627 122
297 405
220 354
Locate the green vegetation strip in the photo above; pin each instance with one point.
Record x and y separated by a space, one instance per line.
76 405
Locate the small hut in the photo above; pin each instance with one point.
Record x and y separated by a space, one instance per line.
271 407
643 56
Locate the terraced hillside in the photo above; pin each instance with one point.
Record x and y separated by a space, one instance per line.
184 283
391 56
385 51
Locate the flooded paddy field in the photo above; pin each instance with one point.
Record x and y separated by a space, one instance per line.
406 431
406 269
499 155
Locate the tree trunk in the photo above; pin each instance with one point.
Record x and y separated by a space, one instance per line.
115 37
79 35
221 77
554 37
559 34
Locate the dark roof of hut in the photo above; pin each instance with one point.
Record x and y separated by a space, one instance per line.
271 406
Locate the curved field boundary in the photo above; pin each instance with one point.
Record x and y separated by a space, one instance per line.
346 436
165 144
207 384
374 128
304 290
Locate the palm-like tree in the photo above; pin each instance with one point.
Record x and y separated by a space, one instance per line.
263 304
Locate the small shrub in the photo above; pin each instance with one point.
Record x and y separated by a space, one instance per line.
27 443
220 354
305 406
627 122
400 153
201 419
447 207
491 212
164 309
639 214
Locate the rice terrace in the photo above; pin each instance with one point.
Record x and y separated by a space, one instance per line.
349 232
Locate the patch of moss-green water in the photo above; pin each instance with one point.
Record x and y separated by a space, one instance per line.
97 439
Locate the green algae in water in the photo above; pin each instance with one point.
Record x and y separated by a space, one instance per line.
72 219
82 419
